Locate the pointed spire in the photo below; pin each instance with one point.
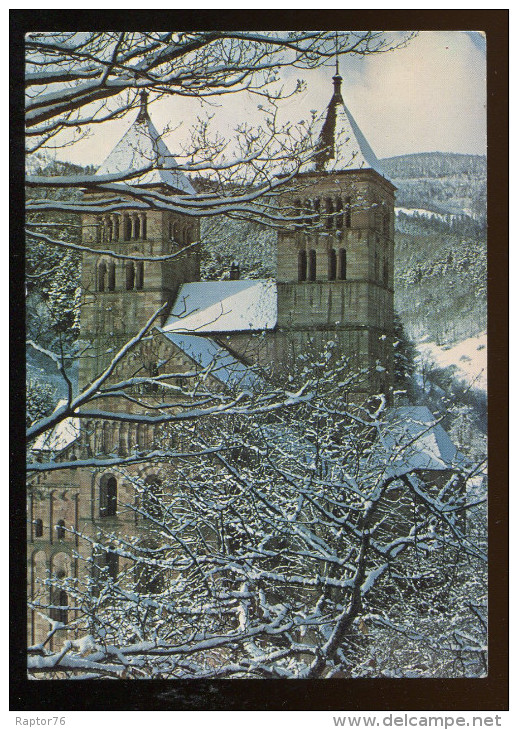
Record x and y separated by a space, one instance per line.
337 95
143 115
341 144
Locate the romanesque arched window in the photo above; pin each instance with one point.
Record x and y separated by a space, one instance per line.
101 276
152 497
60 529
109 229
127 227
342 264
130 275
136 227
312 268
144 226
62 611
38 528
139 275
111 276
108 497
303 265
116 228
332 264
111 561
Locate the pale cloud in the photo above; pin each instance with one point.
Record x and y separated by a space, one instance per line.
428 96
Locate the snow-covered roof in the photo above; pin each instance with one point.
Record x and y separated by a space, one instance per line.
341 144
224 306
216 359
417 441
140 148
61 435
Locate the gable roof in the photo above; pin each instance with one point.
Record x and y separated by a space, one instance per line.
224 306
419 442
140 148
218 361
61 436
341 145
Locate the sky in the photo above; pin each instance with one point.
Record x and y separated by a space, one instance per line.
429 96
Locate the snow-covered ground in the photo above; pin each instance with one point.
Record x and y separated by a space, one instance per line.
469 357
445 217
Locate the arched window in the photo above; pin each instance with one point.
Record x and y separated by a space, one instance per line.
101 276
109 229
127 228
339 217
144 227
136 227
116 229
329 213
312 273
332 265
150 578
60 529
348 212
111 276
152 497
303 265
139 275
108 497
38 528
130 275
63 603
111 561
342 264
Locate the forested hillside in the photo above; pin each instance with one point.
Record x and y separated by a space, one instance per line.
440 260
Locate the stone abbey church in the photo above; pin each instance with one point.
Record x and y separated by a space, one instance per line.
334 282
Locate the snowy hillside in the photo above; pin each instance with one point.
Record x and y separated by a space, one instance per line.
468 358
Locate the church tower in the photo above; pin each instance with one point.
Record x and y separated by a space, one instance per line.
121 294
335 267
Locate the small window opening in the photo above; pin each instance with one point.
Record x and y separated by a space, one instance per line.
108 498
38 528
60 529
303 265
332 265
101 276
130 275
312 274
111 276
139 275
342 264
